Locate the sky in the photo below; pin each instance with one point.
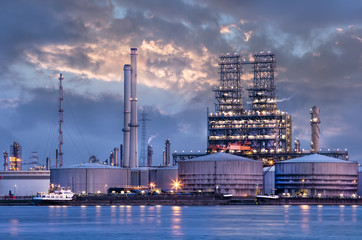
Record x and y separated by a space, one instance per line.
317 47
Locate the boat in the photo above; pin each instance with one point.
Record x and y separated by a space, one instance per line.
267 196
58 197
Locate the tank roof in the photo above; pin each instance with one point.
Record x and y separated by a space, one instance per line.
220 156
316 158
90 165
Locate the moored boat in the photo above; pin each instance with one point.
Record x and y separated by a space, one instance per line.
57 197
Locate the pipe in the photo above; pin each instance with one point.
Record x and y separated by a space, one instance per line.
314 122
133 125
127 115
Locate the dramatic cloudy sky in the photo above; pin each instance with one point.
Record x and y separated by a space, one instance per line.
318 47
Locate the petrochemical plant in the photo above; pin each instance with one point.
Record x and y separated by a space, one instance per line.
249 148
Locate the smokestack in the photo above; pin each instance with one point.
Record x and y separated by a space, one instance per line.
121 155
5 160
164 158
133 125
116 157
47 163
127 115
56 158
168 152
149 155
314 122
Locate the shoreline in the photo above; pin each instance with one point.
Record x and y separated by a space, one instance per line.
184 200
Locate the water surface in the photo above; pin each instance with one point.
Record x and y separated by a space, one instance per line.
181 222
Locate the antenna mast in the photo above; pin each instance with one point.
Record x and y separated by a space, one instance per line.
60 120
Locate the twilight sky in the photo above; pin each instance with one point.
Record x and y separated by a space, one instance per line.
318 48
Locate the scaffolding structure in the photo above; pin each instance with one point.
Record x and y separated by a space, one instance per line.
144 144
15 157
229 92
263 132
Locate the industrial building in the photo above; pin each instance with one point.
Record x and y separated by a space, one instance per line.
223 173
24 183
91 177
261 132
316 175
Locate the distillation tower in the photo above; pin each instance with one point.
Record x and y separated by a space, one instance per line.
263 132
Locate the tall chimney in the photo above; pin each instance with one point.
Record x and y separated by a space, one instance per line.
149 155
47 163
56 158
127 115
314 122
116 157
5 160
168 152
133 125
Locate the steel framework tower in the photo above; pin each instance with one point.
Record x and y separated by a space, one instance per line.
261 132
144 144
60 154
262 93
229 92
15 157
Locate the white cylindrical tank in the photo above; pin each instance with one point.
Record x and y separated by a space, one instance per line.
127 115
133 125
314 122
223 173
318 175
90 177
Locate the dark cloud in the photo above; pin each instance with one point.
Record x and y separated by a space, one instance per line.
317 46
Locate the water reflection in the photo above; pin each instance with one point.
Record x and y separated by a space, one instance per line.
14 227
354 213
341 213
176 220
286 214
305 218
320 218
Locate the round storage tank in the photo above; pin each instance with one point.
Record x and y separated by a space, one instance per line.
90 177
316 175
225 173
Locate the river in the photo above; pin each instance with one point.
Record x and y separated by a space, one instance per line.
181 222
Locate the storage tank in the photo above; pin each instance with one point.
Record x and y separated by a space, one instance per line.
316 175
163 177
223 173
90 177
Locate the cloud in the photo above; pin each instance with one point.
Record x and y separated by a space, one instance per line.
317 47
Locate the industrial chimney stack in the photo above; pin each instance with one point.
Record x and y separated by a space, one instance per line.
149 155
133 125
127 115
314 122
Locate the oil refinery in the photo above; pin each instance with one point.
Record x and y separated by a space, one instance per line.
242 138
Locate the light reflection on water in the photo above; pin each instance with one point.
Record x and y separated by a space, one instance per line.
181 222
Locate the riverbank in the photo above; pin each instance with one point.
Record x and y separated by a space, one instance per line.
185 200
